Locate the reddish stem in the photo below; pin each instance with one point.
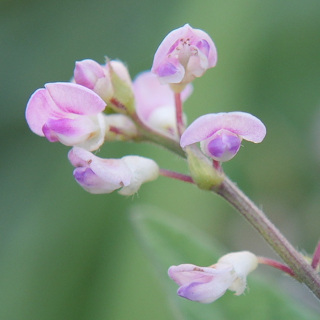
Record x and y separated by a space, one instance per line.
176 175
118 104
217 165
276 264
179 113
115 130
316 257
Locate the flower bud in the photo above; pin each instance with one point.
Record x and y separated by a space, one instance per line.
207 284
202 284
97 175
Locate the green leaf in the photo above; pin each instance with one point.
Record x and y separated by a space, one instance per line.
170 241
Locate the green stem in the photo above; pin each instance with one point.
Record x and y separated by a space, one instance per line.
147 134
302 270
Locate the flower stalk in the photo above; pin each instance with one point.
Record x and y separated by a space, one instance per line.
175 175
276 264
303 271
316 257
179 113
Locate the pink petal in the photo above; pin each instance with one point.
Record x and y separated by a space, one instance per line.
74 98
171 71
87 72
167 44
206 292
79 157
243 124
185 273
114 172
39 108
91 182
202 284
208 47
150 94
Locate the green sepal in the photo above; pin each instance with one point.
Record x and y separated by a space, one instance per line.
201 169
122 100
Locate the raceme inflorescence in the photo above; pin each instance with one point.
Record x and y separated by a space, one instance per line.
101 103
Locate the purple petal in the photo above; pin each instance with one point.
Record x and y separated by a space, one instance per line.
111 173
167 44
171 72
69 131
92 182
74 98
203 46
243 124
167 69
221 146
202 284
206 292
207 46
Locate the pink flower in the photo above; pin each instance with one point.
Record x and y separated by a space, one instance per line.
97 175
155 103
69 113
184 54
220 134
98 77
207 284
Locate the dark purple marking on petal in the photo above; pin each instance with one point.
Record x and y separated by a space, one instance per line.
85 176
224 144
173 47
203 46
166 69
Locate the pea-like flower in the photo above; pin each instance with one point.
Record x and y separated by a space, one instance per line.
220 134
207 284
184 54
155 105
97 175
69 113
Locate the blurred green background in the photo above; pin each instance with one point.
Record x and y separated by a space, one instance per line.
67 254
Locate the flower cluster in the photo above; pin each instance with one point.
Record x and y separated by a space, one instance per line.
101 103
